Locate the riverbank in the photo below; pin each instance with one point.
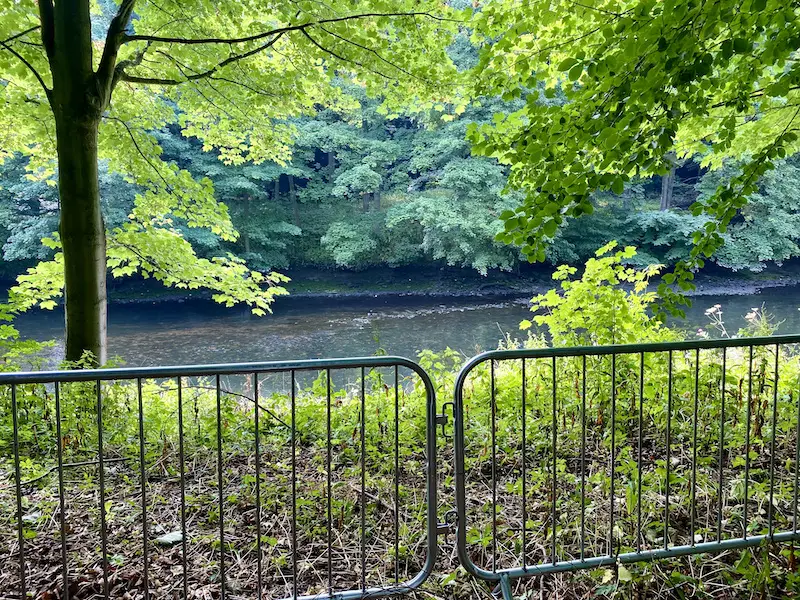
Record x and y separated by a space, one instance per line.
445 283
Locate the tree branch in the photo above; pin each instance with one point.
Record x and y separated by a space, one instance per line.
48 27
342 58
142 154
21 58
286 29
276 34
148 80
20 34
145 261
119 70
371 51
326 50
106 75
203 74
259 91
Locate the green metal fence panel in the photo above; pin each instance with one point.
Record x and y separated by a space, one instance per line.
97 388
599 456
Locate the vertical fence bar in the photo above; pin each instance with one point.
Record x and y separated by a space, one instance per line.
555 463
583 458
669 450
143 478
294 483
396 476
18 484
182 460
257 449
721 498
62 518
329 483
770 509
363 482
747 443
494 469
796 466
221 492
613 451
692 510
524 473
639 457
102 486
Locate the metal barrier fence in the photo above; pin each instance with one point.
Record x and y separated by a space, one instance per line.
596 456
181 451
306 479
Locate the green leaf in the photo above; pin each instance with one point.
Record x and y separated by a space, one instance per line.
742 45
549 228
567 64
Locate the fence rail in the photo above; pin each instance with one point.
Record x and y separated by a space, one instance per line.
620 454
332 494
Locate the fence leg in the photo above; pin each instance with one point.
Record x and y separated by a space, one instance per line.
505 588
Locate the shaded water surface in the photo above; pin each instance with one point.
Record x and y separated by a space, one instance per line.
203 332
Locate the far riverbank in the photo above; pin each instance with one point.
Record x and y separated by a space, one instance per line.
442 284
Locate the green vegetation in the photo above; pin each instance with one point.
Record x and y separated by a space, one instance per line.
207 144
86 86
397 133
432 203
642 85
579 316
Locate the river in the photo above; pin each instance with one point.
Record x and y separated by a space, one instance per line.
191 332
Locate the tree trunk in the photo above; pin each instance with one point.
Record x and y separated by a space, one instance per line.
668 185
293 200
245 234
77 107
377 198
365 202
83 238
331 166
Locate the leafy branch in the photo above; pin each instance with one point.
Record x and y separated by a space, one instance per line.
280 30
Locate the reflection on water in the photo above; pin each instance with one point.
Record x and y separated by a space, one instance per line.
203 332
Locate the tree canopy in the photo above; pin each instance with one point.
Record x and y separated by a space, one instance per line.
642 81
88 83
206 144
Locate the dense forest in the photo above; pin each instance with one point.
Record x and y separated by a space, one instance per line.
364 188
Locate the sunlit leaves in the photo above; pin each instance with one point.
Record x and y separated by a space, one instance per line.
641 79
165 256
609 304
213 70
